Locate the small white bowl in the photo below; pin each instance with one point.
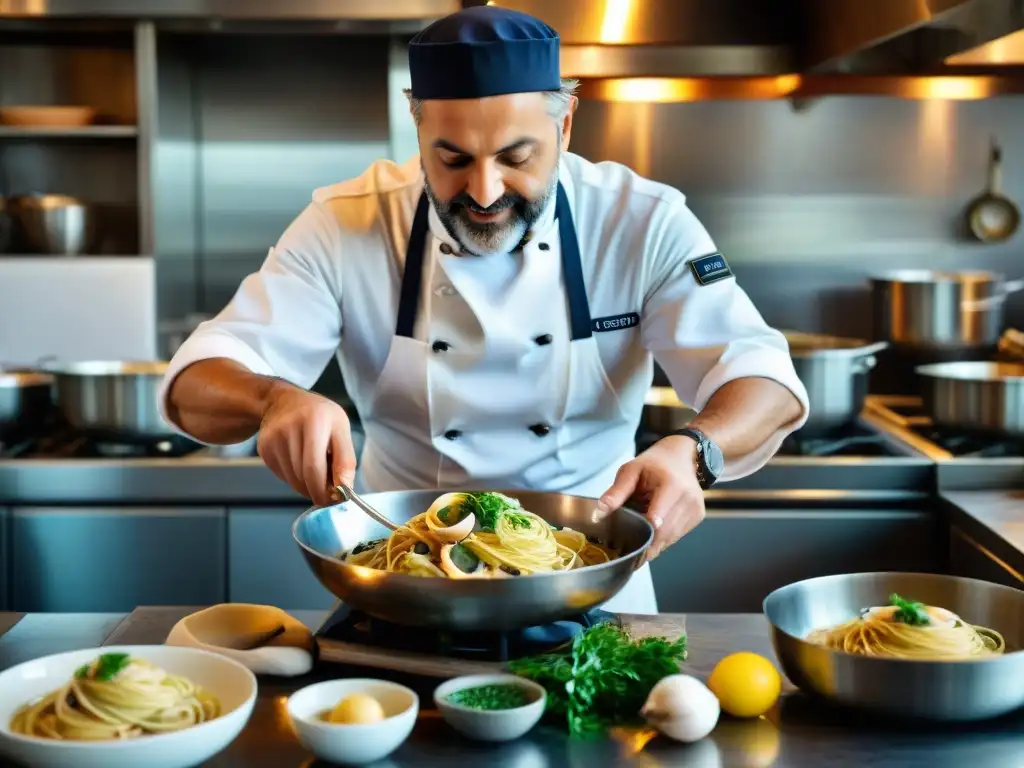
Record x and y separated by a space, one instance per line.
228 680
490 724
353 744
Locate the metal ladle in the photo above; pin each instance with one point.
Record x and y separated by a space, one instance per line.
349 495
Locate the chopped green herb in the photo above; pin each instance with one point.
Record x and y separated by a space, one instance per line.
464 559
442 514
489 508
910 612
107 666
602 678
498 696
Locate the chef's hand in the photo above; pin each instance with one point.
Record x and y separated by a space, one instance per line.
664 480
298 431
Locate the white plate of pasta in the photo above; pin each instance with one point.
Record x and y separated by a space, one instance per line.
123 706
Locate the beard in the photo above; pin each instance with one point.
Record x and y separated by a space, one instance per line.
482 238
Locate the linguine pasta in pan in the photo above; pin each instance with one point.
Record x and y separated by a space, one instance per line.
479 535
906 629
116 697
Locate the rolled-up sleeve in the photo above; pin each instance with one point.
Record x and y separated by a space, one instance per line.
704 336
285 319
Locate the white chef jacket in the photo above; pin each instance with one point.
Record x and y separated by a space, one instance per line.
511 399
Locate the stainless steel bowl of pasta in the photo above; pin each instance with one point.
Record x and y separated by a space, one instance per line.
494 560
917 645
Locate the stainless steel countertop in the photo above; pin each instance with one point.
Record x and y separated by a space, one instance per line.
798 732
995 520
206 479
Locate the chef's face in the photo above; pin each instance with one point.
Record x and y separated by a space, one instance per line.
491 165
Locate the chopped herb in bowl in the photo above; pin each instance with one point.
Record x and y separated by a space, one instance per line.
492 697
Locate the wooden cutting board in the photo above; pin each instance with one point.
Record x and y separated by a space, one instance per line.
670 625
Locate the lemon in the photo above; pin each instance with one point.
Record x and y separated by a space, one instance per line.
357 709
747 685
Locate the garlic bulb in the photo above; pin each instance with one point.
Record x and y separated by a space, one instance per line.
682 708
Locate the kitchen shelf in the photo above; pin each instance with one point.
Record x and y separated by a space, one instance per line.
71 132
62 258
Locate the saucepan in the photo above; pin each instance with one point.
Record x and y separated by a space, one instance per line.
112 399
983 397
936 690
834 371
927 309
323 533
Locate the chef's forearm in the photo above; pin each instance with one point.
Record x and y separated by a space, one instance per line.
743 414
219 401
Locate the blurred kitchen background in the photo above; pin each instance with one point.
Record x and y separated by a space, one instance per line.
149 159
809 143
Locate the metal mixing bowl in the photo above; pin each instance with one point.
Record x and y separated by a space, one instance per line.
934 690
54 224
470 604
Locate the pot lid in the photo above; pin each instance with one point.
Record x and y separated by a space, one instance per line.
815 344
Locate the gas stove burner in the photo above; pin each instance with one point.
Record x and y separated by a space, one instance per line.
69 444
851 440
965 445
909 413
354 627
169 447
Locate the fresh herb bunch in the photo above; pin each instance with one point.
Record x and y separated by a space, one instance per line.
603 677
910 611
489 508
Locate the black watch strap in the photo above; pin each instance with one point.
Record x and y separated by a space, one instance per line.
710 462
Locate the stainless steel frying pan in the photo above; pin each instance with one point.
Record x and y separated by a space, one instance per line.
983 397
469 604
992 217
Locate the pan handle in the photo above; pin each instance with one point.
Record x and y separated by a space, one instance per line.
980 305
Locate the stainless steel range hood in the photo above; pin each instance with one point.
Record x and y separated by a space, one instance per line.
900 36
701 38
257 10
298 17
669 38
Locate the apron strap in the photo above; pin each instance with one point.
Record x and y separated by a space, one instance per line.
412 279
572 269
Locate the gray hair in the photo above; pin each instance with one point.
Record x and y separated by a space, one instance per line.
558 101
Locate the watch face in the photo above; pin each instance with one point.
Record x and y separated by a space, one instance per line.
713 459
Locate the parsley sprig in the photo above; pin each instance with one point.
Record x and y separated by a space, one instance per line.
108 666
489 508
910 611
602 678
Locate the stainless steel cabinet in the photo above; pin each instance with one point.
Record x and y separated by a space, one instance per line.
971 559
93 559
5 559
732 560
265 565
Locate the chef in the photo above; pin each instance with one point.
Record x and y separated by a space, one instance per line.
495 305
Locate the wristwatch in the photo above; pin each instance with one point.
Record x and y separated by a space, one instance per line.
710 462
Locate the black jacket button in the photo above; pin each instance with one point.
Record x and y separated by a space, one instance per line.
544 338
540 429
453 434
440 346
544 246
446 249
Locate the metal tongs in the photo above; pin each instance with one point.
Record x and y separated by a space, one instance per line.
349 495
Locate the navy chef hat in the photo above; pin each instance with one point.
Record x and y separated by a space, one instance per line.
484 51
